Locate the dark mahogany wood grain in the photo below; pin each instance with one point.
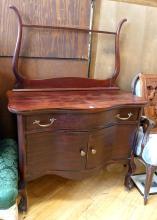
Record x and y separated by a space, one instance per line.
109 148
61 151
22 164
65 82
77 120
79 100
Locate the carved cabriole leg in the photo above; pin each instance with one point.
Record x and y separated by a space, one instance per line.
131 169
149 176
22 165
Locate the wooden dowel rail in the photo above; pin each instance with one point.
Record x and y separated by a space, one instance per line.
68 28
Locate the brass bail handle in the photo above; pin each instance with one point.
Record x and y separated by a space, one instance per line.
37 122
124 119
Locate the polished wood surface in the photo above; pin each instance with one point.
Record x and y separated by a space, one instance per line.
90 119
29 101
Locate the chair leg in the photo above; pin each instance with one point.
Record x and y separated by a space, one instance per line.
128 183
149 176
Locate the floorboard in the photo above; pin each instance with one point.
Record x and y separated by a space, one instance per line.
101 197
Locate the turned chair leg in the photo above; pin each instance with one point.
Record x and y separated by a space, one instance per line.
149 176
131 169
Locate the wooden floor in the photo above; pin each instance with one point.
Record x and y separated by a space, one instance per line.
102 197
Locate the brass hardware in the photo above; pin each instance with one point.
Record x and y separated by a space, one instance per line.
37 122
93 151
124 119
83 154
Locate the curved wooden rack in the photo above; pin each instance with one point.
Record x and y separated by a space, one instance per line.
65 82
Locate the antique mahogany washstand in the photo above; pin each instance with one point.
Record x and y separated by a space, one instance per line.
72 126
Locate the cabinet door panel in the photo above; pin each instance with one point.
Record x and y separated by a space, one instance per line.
50 151
123 141
112 143
101 141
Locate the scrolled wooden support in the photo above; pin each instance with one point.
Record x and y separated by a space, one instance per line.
117 51
21 81
18 45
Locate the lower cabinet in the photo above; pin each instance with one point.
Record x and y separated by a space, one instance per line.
64 150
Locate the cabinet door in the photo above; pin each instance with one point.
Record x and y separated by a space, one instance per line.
123 141
50 151
99 147
111 143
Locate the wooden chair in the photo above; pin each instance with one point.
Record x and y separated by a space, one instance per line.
146 149
145 85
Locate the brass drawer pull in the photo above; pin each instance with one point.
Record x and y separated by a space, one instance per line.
37 122
124 119
83 154
93 151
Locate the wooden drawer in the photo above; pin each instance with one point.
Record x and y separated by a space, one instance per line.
79 120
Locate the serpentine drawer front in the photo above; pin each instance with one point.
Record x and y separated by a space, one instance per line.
77 121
